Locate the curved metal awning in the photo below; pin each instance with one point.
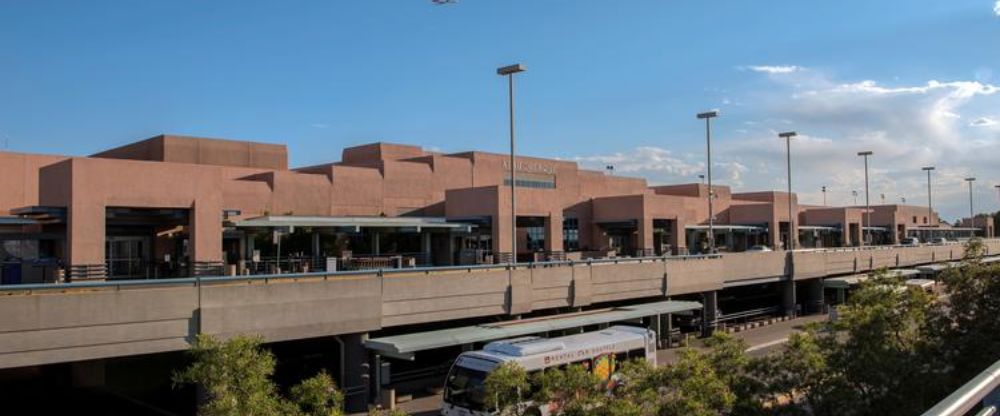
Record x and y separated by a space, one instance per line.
418 223
403 346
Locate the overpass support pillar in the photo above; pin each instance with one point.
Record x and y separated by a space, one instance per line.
814 293
709 312
788 298
355 372
89 373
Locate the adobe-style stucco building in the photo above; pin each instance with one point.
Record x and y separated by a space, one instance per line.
174 205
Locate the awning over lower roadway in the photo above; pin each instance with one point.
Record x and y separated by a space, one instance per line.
403 345
351 222
854 280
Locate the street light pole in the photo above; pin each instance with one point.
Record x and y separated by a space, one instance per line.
868 211
824 195
509 72
854 192
708 116
972 215
792 234
930 209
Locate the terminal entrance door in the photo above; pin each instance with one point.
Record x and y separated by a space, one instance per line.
126 257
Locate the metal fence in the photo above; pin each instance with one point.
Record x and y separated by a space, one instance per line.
980 395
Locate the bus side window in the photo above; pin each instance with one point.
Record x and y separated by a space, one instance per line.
637 354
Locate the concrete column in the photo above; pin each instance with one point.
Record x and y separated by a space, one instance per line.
355 372
814 296
89 373
788 297
644 243
678 236
709 312
376 250
206 231
316 243
85 235
554 232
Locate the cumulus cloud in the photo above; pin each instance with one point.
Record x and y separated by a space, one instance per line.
654 163
906 125
996 8
773 69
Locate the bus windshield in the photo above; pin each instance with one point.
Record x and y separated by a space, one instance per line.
465 388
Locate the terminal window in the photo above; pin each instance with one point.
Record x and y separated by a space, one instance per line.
571 234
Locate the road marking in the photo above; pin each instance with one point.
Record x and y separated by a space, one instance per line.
767 344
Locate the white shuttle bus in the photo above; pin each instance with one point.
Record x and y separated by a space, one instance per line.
599 351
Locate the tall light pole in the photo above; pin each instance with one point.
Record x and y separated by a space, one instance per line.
972 215
708 116
788 157
868 211
509 72
824 195
930 209
854 192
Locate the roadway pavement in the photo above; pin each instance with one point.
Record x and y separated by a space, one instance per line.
761 341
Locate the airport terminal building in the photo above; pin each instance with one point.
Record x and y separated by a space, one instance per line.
175 206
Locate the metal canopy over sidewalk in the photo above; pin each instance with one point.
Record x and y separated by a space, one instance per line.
403 346
352 222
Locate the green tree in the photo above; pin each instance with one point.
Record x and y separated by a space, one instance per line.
318 396
966 329
235 378
506 388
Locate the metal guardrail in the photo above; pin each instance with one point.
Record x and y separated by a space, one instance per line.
118 284
983 390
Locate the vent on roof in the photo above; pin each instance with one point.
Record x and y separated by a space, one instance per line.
520 347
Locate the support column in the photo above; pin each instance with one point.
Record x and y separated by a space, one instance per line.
91 373
425 247
355 372
678 236
841 295
206 237
814 296
645 238
554 232
85 235
788 298
709 312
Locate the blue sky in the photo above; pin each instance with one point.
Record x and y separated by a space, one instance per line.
607 82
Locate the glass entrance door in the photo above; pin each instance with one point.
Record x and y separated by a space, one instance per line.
126 257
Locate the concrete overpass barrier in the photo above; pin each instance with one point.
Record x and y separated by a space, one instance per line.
451 293
285 309
79 324
51 323
755 265
694 275
627 279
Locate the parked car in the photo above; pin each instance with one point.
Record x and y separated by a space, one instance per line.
940 240
911 241
759 248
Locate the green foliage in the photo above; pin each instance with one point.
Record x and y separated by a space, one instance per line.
507 386
318 396
235 376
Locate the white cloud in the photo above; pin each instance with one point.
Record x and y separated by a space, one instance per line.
996 8
773 69
907 126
